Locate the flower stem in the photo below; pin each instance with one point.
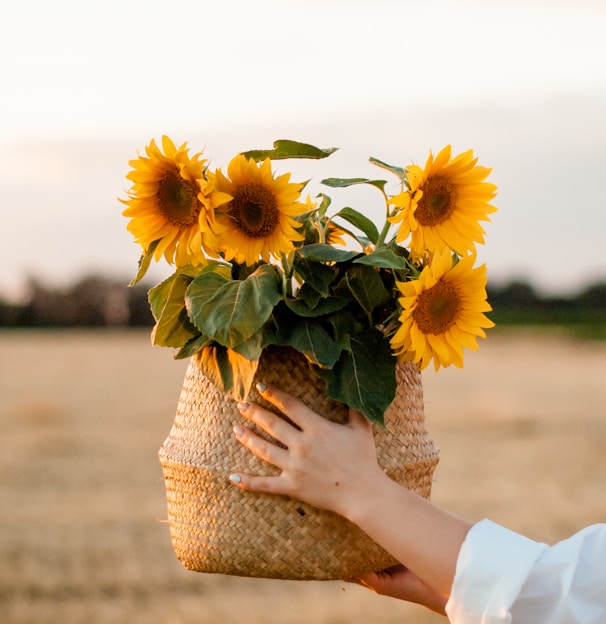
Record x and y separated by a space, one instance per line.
383 234
287 268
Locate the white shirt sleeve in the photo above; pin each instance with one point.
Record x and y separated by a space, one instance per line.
503 577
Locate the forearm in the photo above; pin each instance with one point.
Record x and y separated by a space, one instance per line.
425 538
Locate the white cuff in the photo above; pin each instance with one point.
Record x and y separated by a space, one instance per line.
492 566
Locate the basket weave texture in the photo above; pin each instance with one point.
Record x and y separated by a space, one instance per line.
218 528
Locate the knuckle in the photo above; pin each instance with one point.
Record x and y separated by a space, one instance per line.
278 398
299 448
263 418
261 446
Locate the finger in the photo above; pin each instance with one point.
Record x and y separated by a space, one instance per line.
296 410
267 485
265 450
368 580
271 423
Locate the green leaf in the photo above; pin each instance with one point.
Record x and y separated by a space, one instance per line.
144 263
251 349
324 204
322 252
344 324
345 182
284 148
306 336
173 327
324 306
231 311
361 222
398 171
215 365
311 339
366 286
362 240
310 296
192 347
229 371
243 373
384 258
364 378
315 274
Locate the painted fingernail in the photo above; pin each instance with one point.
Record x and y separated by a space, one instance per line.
235 478
238 430
243 406
261 387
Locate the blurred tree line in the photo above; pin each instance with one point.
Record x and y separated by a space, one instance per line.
97 301
93 301
518 303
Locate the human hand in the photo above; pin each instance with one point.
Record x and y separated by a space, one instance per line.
328 465
335 467
399 582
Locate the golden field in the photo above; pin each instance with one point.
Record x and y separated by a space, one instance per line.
522 432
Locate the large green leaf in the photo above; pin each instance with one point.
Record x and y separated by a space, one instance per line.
364 377
383 257
285 148
173 327
360 221
231 311
366 286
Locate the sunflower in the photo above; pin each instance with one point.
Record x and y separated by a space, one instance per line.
444 204
442 312
258 216
169 203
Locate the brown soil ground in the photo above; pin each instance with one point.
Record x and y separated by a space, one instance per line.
522 432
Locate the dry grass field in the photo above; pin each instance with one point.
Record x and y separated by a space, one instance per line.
522 432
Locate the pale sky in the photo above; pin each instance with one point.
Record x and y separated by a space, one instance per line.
83 87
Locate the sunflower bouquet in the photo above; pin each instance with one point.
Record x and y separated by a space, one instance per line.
256 265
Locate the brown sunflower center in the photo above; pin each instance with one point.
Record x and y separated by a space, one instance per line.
255 210
436 308
178 199
438 201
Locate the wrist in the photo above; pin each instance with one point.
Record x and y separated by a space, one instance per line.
361 502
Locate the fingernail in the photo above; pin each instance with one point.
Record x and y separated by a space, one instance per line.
235 478
243 406
261 387
238 430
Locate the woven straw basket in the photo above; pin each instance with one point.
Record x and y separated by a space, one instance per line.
216 527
